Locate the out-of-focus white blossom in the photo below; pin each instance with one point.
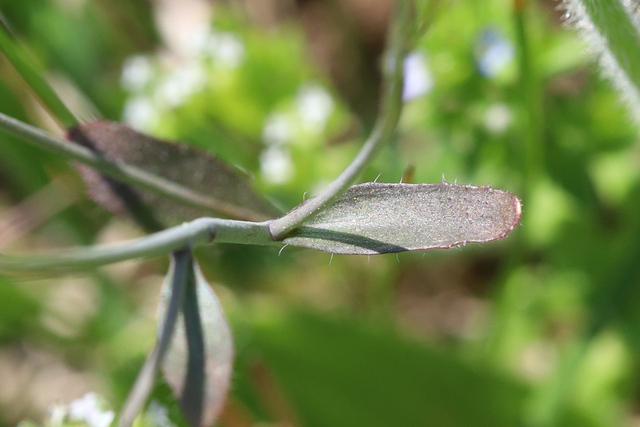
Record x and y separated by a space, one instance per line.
181 23
417 77
276 130
314 106
57 415
159 415
181 84
141 113
196 40
493 53
497 118
137 71
226 49
276 165
87 409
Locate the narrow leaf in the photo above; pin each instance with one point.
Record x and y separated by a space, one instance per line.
376 218
187 363
32 74
194 169
174 286
611 28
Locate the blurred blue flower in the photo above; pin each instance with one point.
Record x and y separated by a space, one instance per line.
493 52
417 78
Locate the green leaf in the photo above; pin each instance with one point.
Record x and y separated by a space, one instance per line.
611 28
33 76
377 218
192 168
174 291
341 373
199 362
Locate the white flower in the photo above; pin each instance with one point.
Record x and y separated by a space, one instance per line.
276 130
58 414
181 84
494 53
417 78
159 415
276 165
195 42
497 118
88 410
141 113
136 73
226 49
315 106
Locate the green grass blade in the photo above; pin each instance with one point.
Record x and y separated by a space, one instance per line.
32 74
611 30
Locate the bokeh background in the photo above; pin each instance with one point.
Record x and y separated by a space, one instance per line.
539 329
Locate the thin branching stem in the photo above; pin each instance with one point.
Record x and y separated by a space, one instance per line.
399 42
205 230
124 172
198 232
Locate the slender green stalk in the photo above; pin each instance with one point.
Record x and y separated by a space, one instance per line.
198 232
33 76
533 154
123 172
384 128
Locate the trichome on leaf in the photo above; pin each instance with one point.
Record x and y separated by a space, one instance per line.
376 218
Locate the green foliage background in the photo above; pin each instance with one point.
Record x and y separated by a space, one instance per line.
538 329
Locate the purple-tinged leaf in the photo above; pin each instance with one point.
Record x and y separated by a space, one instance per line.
375 218
199 361
182 164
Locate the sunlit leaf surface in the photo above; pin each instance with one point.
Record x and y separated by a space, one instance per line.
376 218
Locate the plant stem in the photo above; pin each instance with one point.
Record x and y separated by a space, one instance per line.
32 75
123 172
198 232
530 91
390 107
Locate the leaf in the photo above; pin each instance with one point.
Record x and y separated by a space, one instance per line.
194 169
341 372
199 362
374 218
32 74
174 290
611 28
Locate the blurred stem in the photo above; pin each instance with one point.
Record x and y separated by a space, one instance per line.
198 232
550 399
398 44
530 91
32 75
123 172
